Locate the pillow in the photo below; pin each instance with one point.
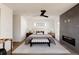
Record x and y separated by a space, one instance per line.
39 33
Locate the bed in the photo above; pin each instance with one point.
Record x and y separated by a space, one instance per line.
40 38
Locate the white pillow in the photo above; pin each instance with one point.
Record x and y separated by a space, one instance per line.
39 33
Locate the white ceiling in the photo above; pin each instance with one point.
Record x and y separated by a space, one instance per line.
34 8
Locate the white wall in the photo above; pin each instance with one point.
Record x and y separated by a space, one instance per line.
19 28
57 28
16 27
6 22
31 21
23 27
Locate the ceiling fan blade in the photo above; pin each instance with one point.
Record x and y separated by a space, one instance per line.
43 12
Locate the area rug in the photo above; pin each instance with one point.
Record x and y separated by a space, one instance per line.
40 49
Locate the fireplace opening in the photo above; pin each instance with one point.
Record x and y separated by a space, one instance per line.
69 40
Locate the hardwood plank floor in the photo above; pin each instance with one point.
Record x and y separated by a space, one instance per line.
16 44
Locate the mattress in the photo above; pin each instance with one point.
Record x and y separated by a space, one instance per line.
40 40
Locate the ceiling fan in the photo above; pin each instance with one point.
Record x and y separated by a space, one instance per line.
43 13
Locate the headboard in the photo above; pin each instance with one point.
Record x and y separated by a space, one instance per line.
39 32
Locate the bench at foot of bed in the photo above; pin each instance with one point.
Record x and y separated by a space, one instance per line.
39 41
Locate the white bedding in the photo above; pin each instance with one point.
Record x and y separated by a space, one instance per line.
40 40
40 35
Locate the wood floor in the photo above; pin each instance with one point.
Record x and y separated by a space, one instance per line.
16 44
